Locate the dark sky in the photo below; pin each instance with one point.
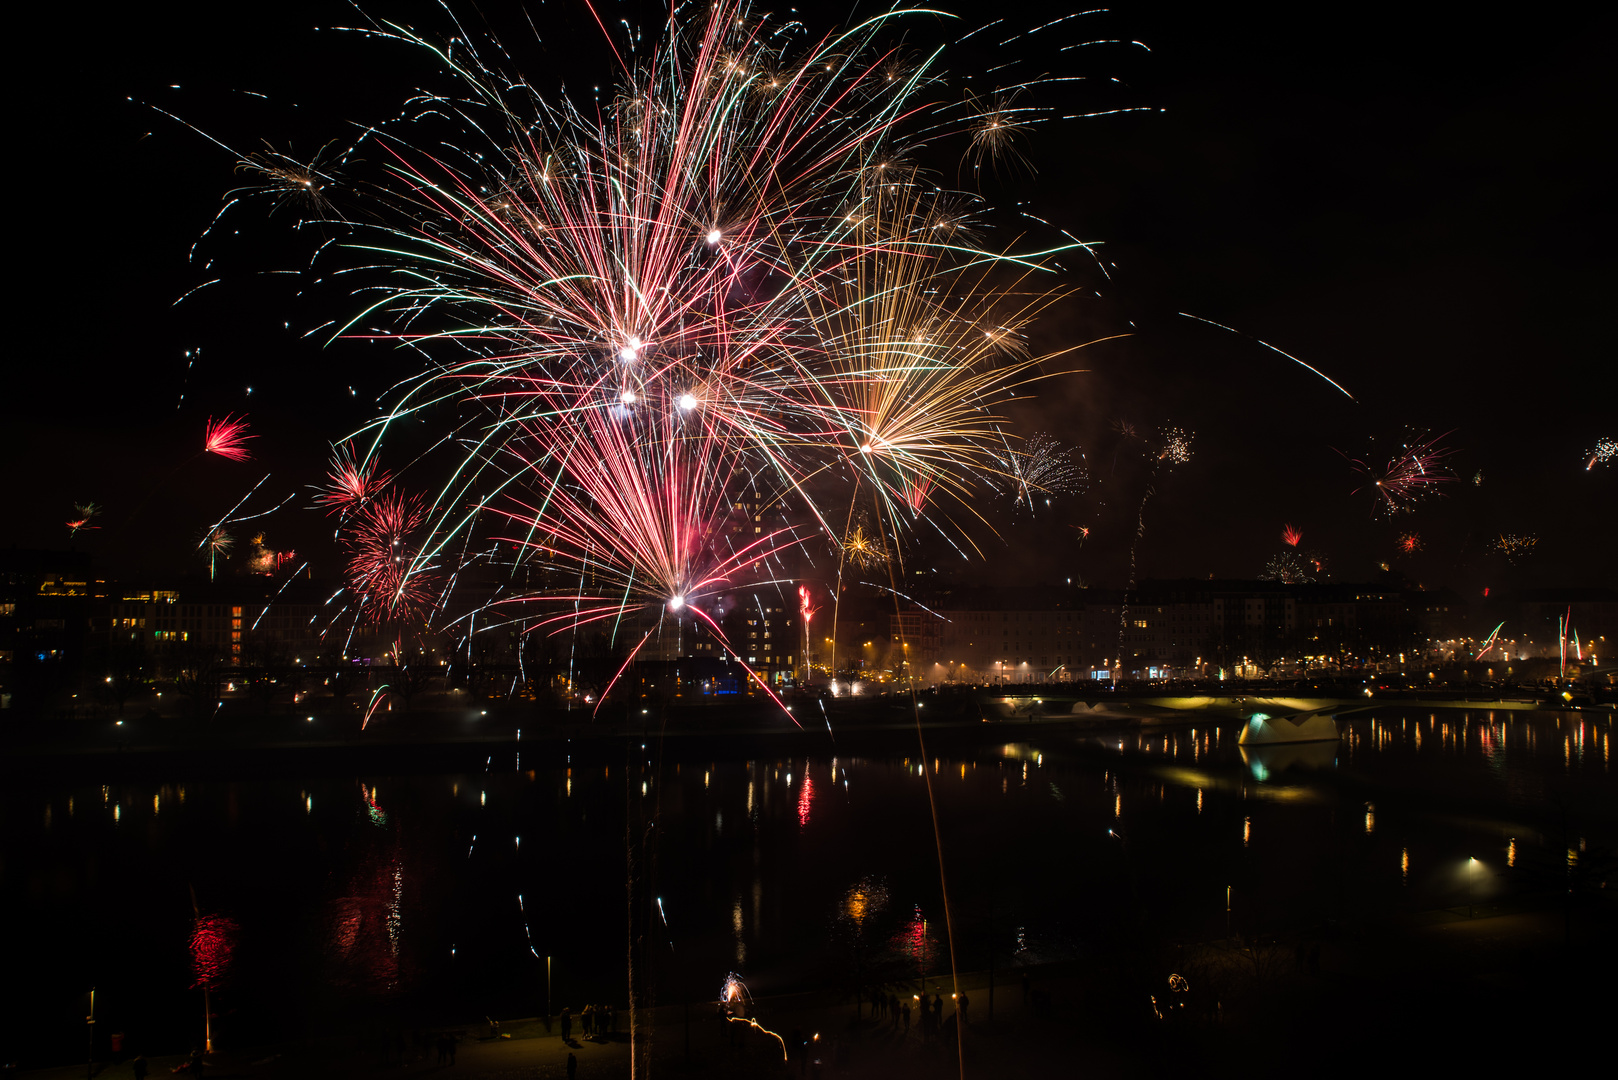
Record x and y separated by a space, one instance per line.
1413 199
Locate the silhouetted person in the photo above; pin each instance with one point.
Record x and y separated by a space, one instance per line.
572 1066
905 1012
139 1067
961 1008
567 1023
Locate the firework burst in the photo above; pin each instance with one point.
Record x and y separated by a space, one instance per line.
352 481
1040 469
1604 452
382 568
1291 536
227 438
1289 568
1174 445
1408 543
1514 547
862 549
86 512
729 276
1411 474
216 544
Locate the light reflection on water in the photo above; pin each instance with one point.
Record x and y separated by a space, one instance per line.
362 890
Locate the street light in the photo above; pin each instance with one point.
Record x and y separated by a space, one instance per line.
1471 863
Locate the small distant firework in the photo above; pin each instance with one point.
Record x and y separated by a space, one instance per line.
996 129
1289 568
1477 478
1291 535
288 181
1514 547
1125 429
863 549
1604 452
1042 468
1408 543
1489 642
1174 445
1414 472
227 438
86 513
263 560
216 544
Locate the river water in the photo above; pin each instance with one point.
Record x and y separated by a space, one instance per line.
442 894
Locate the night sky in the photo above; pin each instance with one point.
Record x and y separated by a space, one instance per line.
1412 199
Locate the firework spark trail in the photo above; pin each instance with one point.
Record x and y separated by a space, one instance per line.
1605 450
1339 386
1173 448
1291 536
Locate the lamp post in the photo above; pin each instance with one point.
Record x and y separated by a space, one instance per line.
90 1026
1470 864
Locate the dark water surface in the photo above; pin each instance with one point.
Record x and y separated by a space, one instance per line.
441 893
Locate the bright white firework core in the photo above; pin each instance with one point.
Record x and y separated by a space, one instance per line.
676 603
627 397
686 402
714 235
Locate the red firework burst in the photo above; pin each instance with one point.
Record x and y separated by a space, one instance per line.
381 565
1291 535
353 481
1415 471
227 438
